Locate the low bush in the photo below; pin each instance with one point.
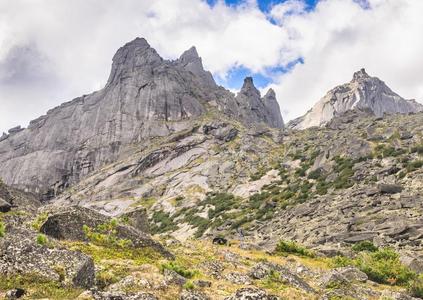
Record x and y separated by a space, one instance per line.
290 247
42 239
2 229
181 270
415 288
382 266
364 246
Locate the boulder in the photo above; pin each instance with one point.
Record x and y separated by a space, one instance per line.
414 262
15 294
264 269
342 277
390 188
238 278
5 206
251 293
137 218
203 283
193 295
21 254
69 225
171 277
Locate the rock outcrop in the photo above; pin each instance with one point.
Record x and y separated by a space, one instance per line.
145 97
363 93
20 254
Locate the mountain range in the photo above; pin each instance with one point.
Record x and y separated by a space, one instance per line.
164 185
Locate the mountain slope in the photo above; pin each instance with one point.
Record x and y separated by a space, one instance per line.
145 97
364 93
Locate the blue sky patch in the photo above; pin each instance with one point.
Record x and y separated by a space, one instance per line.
264 5
235 77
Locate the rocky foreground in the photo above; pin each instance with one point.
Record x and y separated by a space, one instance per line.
52 255
349 229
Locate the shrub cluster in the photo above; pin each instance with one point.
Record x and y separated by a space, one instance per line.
291 247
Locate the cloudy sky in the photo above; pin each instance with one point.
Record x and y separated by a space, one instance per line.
54 50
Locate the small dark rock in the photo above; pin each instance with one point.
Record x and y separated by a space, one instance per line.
5 206
390 188
15 293
220 241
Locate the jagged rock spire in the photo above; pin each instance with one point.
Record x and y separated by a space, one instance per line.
133 55
192 62
248 88
360 75
273 109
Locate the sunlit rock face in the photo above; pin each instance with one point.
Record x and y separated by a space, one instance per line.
362 92
145 97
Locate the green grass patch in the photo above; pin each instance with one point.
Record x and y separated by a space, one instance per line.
38 288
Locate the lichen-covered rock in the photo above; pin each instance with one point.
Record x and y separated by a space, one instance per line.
264 269
251 293
171 277
193 295
21 254
68 224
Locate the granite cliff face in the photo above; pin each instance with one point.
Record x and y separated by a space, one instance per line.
363 93
145 97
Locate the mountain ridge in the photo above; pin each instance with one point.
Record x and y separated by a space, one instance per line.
363 92
145 97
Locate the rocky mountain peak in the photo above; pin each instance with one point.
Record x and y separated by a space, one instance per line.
132 56
191 61
190 55
362 93
270 94
361 74
249 89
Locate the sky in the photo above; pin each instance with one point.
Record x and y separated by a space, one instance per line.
52 51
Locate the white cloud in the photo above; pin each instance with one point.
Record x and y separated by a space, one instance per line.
340 37
71 44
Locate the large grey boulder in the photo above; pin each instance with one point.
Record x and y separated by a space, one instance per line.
20 254
364 93
71 224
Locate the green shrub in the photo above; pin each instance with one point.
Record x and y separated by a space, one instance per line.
2 229
221 202
42 239
417 149
415 288
364 246
105 235
414 165
344 168
189 285
162 222
291 247
173 266
316 174
384 266
39 221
